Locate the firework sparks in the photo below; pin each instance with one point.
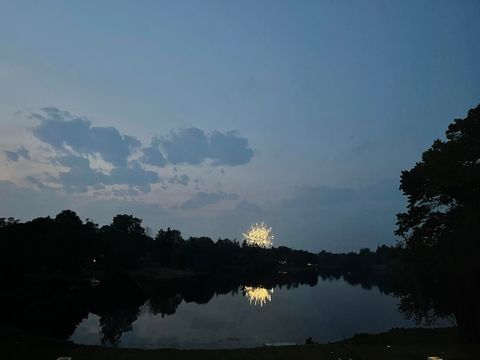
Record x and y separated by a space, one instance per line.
258 295
259 235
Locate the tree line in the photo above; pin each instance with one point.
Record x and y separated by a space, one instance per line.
66 244
71 247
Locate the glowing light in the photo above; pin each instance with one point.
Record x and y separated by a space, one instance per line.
258 295
259 235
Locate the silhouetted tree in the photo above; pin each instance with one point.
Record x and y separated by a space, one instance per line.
441 226
127 224
125 243
167 247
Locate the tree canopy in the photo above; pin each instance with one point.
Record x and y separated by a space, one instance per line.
441 225
443 191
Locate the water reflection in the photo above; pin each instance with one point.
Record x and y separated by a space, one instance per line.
199 311
258 295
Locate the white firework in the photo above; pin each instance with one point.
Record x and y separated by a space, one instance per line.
259 235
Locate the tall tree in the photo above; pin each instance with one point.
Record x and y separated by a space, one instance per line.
441 226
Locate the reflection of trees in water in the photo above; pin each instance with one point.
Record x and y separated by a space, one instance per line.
49 308
114 323
118 303
164 297
55 310
420 299
164 305
426 298
386 283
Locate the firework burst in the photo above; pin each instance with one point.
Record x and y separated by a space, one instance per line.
259 235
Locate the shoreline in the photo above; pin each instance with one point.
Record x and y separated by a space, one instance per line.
415 343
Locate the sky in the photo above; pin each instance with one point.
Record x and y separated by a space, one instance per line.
208 116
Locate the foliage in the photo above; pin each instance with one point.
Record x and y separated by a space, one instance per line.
68 246
441 225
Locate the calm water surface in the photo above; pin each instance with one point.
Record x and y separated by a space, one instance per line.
330 311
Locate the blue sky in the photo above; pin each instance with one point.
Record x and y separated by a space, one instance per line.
210 115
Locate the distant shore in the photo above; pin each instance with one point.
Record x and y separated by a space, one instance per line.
401 344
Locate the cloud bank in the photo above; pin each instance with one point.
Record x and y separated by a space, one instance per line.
79 146
62 130
193 146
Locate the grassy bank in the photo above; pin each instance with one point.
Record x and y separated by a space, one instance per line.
399 344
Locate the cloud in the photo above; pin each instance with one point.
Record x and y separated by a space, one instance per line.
135 176
187 146
80 176
11 155
78 140
16 155
193 146
202 199
61 130
79 147
153 156
182 179
229 149
23 153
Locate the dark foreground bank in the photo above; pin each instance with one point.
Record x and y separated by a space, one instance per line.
397 344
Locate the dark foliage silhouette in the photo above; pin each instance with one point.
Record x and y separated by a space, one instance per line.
441 225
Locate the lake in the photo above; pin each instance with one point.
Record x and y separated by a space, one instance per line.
330 310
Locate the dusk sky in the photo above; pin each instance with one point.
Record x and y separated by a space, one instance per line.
208 116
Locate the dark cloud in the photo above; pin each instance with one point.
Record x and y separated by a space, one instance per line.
229 149
193 146
24 153
11 155
187 146
61 129
153 156
135 176
16 155
182 179
66 132
80 176
77 142
202 199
